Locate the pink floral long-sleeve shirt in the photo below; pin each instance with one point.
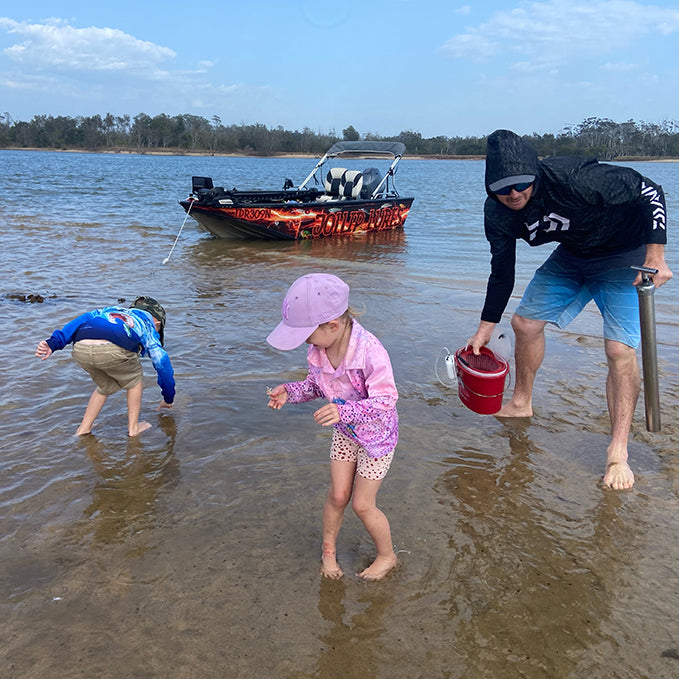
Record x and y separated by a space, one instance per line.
362 387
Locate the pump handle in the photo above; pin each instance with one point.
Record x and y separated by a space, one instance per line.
646 271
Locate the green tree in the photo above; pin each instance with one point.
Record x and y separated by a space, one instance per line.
350 134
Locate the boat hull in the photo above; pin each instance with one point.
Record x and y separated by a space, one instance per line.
299 221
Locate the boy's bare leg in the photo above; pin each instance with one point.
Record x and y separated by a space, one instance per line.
377 524
94 406
622 391
134 426
529 351
339 493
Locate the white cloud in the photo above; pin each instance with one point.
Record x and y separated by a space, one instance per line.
56 65
549 33
618 67
474 46
55 45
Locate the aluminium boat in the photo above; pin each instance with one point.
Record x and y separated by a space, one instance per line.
341 202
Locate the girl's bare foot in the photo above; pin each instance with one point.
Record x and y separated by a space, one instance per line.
618 476
329 566
81 431
141 426
379 568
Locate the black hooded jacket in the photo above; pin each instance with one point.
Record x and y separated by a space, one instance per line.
592 209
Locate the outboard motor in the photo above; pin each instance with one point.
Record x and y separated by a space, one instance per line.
371 179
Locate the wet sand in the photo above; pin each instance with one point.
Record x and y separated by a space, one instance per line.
193 550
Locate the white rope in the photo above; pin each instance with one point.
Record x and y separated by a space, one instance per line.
167 259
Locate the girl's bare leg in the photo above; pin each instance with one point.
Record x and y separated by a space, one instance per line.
94 406
377 524
134 426
339 493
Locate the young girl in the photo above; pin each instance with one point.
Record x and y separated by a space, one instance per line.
350 368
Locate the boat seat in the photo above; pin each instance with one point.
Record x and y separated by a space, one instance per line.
333 182
352 183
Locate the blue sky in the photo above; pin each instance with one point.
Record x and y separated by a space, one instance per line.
437 67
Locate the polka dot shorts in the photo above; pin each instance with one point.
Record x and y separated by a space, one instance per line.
344 449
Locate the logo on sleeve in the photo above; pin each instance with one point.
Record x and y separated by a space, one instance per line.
653 196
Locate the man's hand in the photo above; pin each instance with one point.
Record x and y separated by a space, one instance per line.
655 259
482 336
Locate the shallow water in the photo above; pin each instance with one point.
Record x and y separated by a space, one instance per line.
193 550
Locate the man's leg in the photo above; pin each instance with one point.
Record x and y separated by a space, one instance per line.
529 350
622 392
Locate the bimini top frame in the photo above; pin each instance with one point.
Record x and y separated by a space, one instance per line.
363 149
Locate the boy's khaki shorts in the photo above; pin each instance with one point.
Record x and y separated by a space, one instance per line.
111 367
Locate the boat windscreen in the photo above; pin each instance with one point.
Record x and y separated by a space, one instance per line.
366 148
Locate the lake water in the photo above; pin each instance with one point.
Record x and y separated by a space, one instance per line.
193 551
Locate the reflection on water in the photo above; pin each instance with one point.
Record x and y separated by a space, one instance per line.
352 638
539 573
192 551
382 248
532 591
123 500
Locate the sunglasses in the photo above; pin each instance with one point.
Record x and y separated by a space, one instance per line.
515 187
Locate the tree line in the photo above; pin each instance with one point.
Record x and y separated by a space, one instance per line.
599 137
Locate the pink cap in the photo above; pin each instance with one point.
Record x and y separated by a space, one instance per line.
311 300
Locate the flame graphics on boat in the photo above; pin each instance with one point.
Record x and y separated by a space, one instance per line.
300 223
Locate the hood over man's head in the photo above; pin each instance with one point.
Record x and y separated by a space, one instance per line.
509 160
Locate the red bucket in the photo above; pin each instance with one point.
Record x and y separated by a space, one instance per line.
481 379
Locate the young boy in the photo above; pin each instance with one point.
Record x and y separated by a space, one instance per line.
107 344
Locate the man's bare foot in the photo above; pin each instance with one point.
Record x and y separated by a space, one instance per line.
618 476
509 409
379 568
141 426
329 566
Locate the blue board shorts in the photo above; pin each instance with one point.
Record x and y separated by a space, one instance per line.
564 284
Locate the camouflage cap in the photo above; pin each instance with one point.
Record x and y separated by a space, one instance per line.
153 307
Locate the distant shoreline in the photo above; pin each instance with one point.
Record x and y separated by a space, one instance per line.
216 154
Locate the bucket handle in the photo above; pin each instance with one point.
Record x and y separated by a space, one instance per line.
508 376
463 360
